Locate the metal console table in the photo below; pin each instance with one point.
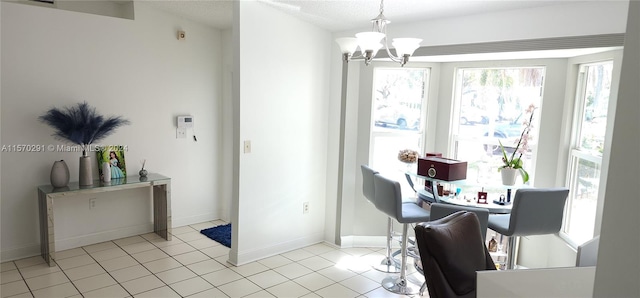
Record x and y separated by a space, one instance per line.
160 185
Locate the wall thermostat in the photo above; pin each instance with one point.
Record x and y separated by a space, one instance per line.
185 121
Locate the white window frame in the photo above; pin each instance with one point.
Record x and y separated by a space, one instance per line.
423 124
422 130
575 153
454 135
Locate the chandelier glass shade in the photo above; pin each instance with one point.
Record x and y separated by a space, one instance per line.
370 42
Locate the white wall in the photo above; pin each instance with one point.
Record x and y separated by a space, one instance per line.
618 256
559 282
137 69
0 126
282 90
226 180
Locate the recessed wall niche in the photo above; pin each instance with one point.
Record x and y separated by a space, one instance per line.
111 8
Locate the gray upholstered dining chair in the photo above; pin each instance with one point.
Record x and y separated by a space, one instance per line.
535 211
389 200
367 182
440 210
388 264
451 252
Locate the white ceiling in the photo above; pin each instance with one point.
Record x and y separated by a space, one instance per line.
341 15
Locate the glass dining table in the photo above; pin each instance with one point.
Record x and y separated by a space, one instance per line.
466 193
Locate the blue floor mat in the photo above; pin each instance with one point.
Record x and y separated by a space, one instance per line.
220 234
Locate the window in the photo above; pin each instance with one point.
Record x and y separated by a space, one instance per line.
489 109
397 118
585 157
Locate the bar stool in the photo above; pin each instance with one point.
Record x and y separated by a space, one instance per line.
389 200
535 211
388 264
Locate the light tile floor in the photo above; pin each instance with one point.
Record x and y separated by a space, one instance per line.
192 265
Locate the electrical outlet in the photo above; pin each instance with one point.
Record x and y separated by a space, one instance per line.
181 133
305 207
247 146
92 204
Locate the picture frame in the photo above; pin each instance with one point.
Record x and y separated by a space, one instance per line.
114 156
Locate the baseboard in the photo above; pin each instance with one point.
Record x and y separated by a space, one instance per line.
20 252
370 241
251 255
364 241
185 221
346 241
325 242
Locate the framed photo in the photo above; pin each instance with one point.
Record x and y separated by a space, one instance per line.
114 156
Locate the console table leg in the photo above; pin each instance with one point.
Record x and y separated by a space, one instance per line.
162 210
47 244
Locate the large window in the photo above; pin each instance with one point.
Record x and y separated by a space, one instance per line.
397 118
585 157
490 108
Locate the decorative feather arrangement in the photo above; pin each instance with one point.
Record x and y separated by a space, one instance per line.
81 124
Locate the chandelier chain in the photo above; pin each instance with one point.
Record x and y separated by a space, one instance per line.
381 6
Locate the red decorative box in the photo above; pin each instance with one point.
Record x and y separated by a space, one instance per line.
442 168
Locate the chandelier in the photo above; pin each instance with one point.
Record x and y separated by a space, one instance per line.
370 42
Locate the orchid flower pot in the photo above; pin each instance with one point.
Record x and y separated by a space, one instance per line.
508 176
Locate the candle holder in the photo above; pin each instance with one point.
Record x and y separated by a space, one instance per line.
482 197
